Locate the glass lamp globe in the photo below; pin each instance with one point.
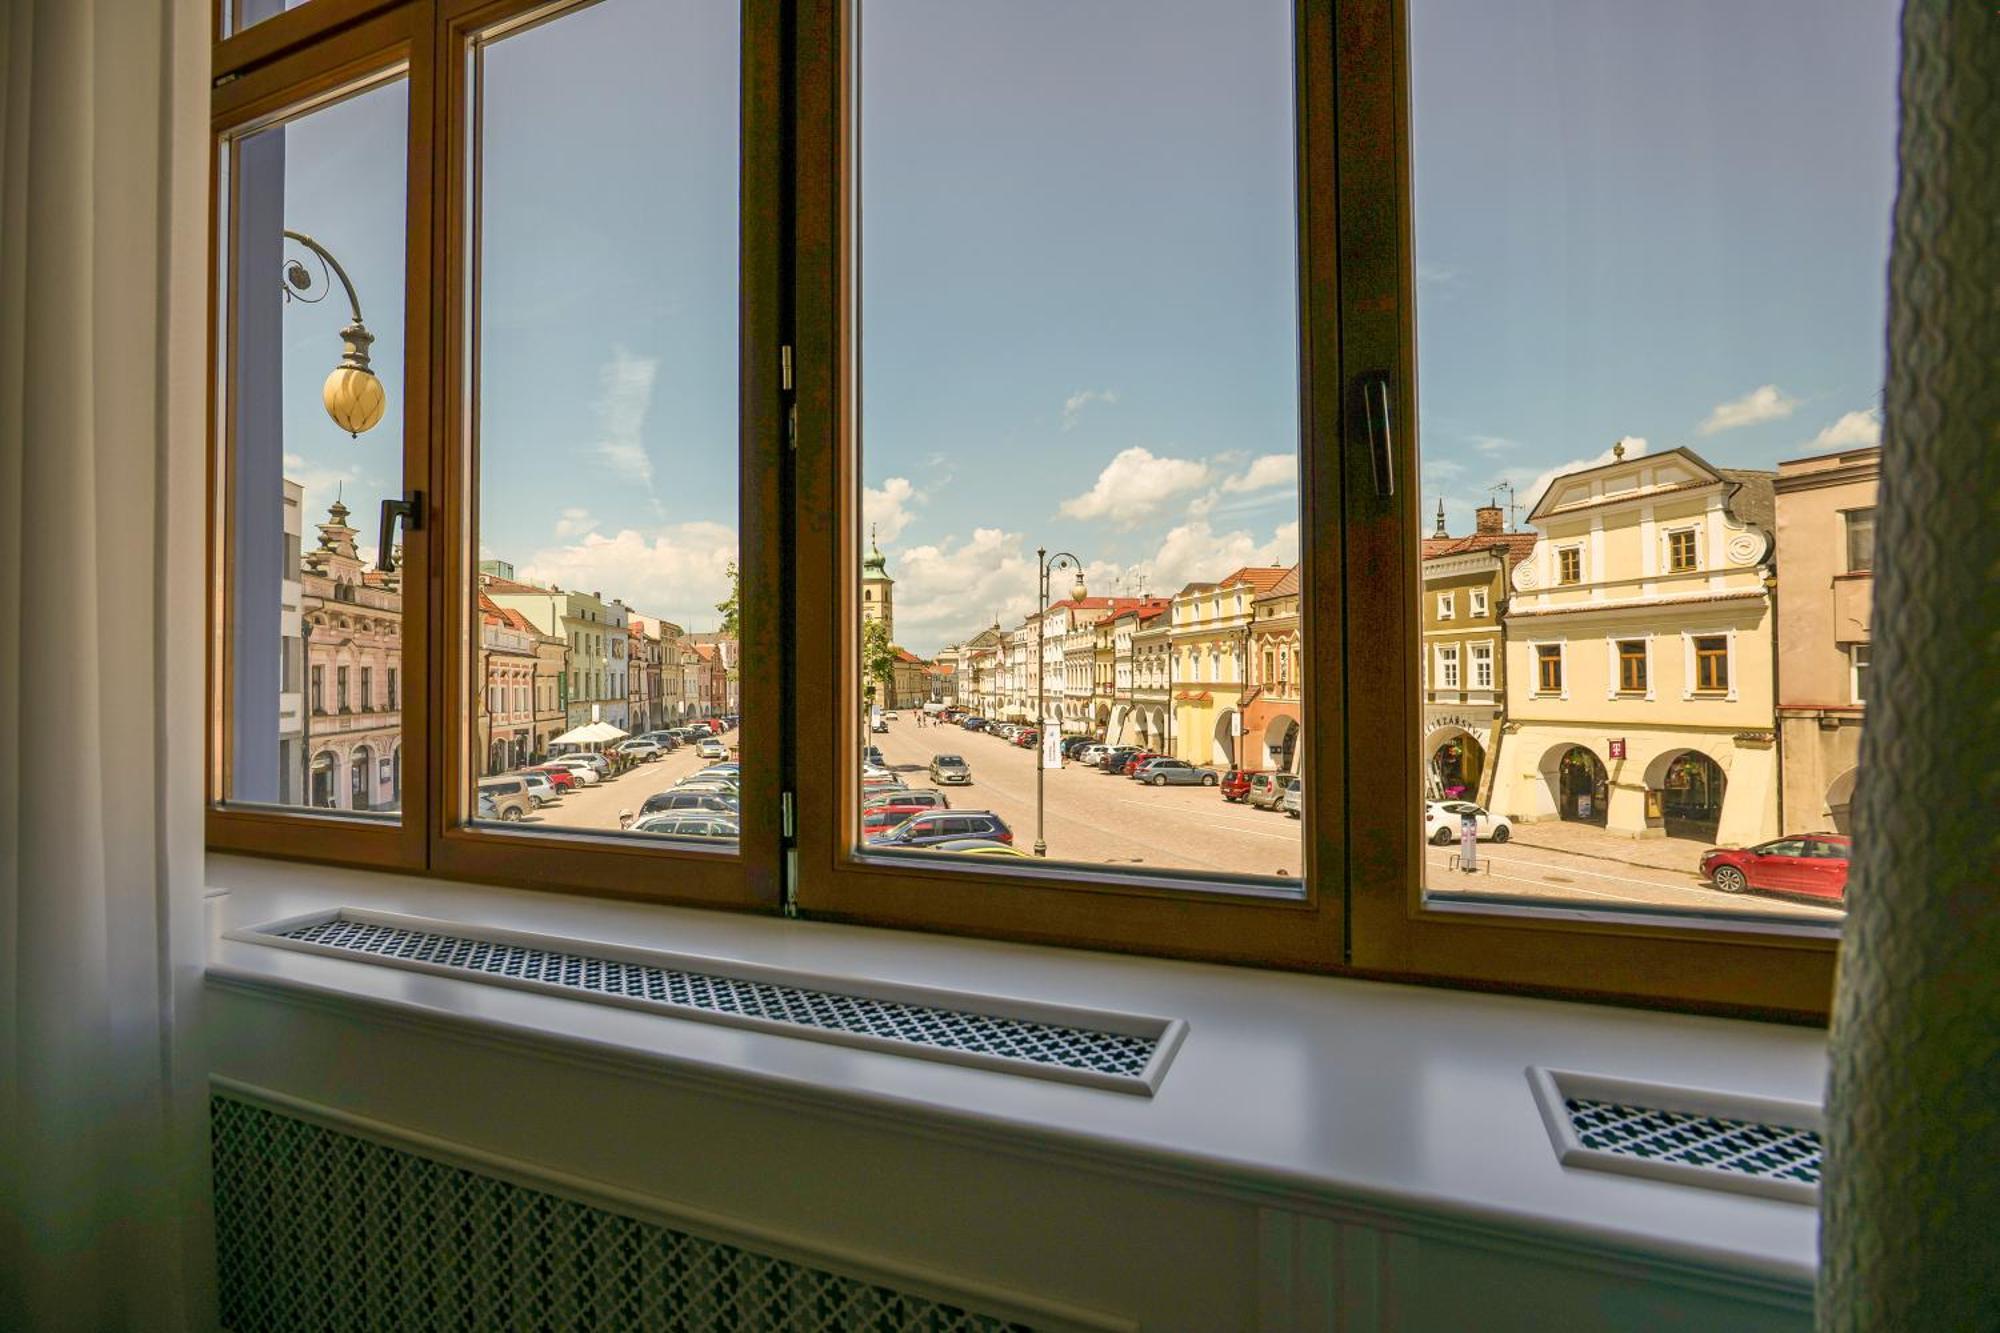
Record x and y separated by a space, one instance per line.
1076 590
354 398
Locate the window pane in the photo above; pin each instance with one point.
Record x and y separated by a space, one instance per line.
313 304
1079 347
605 411
1650 257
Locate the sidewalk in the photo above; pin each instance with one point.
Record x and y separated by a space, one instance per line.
1681 855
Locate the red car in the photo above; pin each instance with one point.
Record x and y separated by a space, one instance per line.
559 777
1236 783
1132 764
881 818
1811 864
1028 739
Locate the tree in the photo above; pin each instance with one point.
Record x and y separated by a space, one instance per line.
878 659
729 605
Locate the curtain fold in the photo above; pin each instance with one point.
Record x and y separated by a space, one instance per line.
102 292
1910 1226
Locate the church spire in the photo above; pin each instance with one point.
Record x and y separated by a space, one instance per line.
1440 520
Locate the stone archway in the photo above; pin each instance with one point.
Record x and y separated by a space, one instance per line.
1578 784
1840 801
360 779
1455 765
323 787
1281 743
1692 787
1225 737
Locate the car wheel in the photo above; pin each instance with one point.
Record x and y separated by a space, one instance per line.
1442 838
1728 879
512 814
1502 833
1208 781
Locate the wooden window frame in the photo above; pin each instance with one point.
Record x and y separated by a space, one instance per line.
1711 665
1546 656
1569 566
1632 652
1675 564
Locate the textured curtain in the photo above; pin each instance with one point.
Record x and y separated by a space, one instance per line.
102 275
1910 1234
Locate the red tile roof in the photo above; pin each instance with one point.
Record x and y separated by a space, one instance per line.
1516 545
1261 577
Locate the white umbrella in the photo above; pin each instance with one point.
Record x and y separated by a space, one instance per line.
590 733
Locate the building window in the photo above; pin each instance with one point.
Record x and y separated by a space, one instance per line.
1548 668
1680 550
1569 565
319 689
1860 540
1857 670
392 689
340 689
1482 666
1711 664
1448 667
1479 603
1632 666
1447 605
367 689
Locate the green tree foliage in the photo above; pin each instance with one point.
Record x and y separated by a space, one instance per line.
728 606
878 659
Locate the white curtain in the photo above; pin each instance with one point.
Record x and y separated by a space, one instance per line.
103 167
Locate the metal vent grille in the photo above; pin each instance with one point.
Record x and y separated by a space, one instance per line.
319 1230
1114 1057
1771 1152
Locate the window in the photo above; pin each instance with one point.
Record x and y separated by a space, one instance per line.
1549 668
1680 550
1860 528
1632 666
1857 668
1711 664
615 258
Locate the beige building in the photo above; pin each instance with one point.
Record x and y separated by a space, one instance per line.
351 619
1274 705
1826 559
1210 663
1463 665
1639 654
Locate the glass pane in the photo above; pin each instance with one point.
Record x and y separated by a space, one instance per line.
1651 247
314 308
605 422
1078 397
240 14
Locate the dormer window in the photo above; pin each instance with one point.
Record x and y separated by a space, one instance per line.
1680 550
1569 565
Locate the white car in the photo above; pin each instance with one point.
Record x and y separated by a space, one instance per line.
1441 819
1091 754
539 787
586 773
711 749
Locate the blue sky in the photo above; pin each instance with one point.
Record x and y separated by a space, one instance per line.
1667 223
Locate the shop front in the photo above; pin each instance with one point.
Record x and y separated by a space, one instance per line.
1457 748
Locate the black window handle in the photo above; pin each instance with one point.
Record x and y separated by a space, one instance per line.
411 511
1375 401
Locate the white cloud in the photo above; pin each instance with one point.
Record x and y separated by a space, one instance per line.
1493 444
1864 427
1530 492
1134 485
948 591
574 522
1767 402
887 511
1074 404
625 397
1195 552
679 571
1269 470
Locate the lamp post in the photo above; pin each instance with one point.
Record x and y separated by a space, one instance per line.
353 395
1046 564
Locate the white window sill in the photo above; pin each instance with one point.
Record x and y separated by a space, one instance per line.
1288 1090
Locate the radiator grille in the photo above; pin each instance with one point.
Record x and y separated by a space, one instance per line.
1047 1044
1738 1147
319 1230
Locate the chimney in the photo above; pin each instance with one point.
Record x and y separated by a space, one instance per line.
1486 521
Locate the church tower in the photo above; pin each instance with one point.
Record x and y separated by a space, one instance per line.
878 590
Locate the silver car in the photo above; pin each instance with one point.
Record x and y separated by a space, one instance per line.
952 769
1294 798
1175 773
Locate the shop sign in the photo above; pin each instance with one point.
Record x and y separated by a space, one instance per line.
1617 747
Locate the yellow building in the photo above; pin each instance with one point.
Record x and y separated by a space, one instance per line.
1210 649
1463 667
1639 654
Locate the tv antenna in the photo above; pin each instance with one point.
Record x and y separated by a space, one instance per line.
1494 496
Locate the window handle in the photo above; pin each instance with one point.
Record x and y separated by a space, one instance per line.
411 510
1381 436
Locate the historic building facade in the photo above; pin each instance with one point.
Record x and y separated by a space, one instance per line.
1273 706
351 623
1639 654
1211 648
1463 663
1826 561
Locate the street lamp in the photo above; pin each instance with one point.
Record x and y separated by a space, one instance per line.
353 395
1047 563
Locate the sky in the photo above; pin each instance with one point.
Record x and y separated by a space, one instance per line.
1666 224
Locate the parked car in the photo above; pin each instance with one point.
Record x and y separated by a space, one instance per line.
878 726
1293 801
1175 773
1027 738
924 797
1092 754
484 807
596 763
561 778
879 779
1135 759
729 766
1074 746
1236 783
510 797
873 755
982 847
579 771
1813 864
638 748
890 715
661 802
974 723
540 789
666 740
1266 790
720 786
880 819
939 826
691 827
951 768
711 749
1441 819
